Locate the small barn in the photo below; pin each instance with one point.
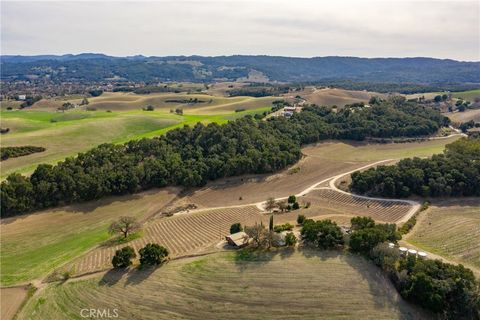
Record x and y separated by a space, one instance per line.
239 239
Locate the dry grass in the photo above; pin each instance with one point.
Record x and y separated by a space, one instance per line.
338 97
256 188
277 285
450 229
11 300
369 152
118 101
469 114
34 244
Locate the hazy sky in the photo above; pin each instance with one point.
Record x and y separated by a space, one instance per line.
395 28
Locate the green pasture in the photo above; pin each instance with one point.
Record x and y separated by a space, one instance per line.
68 133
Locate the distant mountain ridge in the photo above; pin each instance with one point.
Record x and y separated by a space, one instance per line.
99 67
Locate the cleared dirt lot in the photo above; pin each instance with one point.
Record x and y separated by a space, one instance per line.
278 285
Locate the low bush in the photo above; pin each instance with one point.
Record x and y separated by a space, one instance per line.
290 239
300 218
236 227
283 227
14 152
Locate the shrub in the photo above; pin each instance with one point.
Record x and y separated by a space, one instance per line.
283 227
236 227
300 218
123 257
362 223
407 226
149 108
290 239
295 206
152 254
18 151
292 199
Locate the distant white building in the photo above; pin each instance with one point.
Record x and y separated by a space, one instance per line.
288 111
22 97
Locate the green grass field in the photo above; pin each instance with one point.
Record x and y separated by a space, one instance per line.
467 95
33 245
450 229
66 134
298 284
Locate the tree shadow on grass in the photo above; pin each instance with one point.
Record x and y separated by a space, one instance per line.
112 277
382 289
138 275
250 258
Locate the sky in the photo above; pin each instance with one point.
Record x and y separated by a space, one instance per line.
300 28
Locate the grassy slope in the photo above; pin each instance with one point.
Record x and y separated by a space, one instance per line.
66 134
450 229
33 245
304 285
467 95
353 151
469 114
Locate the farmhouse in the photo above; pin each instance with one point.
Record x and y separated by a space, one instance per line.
239 239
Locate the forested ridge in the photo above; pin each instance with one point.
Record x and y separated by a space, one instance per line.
191 156
456 172
98 67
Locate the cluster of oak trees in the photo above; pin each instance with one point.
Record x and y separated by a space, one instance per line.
456 172
190 156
